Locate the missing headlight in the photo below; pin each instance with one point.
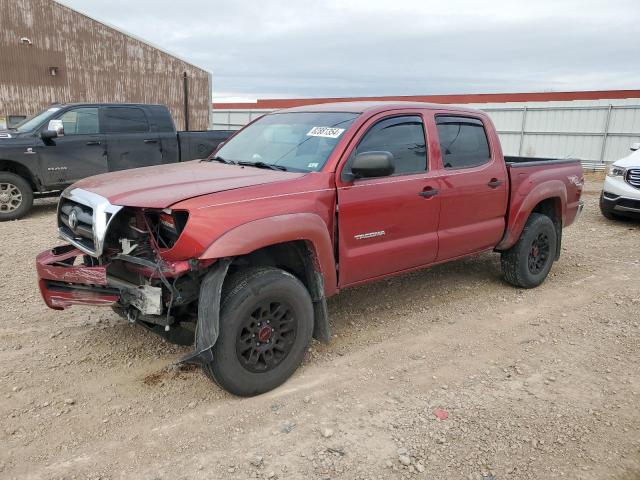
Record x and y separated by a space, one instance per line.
167 226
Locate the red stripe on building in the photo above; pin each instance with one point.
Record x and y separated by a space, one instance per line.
462 99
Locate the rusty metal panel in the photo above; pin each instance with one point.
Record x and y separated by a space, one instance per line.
92 62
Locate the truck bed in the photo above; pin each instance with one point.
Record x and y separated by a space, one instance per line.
199 144
516 161
531 178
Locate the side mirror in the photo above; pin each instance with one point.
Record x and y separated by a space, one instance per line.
48 135
56 126
635 146
372 164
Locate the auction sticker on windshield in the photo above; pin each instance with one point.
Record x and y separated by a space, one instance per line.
328 132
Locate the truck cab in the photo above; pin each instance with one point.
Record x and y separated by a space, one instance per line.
66 143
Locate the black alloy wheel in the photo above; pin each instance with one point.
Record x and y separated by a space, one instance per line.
539 253
266 324
527 263
266 336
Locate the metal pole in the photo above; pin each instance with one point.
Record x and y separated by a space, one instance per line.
524 121
606 133
185 87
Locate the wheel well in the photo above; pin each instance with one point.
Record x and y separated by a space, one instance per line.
298 258
552 208
295 257
21 170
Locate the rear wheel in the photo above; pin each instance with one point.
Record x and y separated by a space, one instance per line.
528 262
266 323
16 196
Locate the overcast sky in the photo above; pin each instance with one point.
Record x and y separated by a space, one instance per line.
338 48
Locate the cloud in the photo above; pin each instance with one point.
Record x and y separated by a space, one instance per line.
366 47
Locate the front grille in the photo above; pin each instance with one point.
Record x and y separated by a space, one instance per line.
633 177
76 221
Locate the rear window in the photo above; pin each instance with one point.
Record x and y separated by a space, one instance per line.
125 120
160 120
463 142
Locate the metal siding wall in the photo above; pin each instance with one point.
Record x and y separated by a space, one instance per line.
575 129
96 64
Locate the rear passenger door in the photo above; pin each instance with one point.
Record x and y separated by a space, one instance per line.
130 141
474 187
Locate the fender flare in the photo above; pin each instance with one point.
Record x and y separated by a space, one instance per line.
251 236
19 168
541 192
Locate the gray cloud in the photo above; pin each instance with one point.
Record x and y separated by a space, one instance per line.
280 48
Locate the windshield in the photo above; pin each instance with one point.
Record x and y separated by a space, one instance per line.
297 141
33 122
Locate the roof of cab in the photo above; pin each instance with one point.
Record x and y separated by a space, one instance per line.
374 107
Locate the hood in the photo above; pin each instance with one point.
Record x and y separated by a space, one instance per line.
162 186
7 136
629 161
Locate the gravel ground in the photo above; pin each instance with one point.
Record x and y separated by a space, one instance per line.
534 384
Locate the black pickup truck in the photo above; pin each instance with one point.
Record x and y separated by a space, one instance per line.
65 143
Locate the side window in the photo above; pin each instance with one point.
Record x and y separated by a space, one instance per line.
80 121
403 137
463 142
125 120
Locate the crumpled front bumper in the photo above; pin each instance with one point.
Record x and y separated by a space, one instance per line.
63 284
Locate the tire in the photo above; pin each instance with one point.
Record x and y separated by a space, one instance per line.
527 263
272 308
16 196
607 210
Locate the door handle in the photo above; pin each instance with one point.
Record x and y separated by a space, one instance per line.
494 183
150 140
93 143
429 192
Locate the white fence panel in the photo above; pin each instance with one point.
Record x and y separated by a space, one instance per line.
595 132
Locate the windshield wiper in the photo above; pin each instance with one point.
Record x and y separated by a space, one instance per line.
264 165
221 160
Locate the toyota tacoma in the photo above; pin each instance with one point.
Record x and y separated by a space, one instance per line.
237 254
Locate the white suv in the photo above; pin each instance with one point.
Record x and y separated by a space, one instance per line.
621 192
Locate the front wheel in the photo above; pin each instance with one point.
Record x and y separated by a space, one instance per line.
266 323
528 262
16 196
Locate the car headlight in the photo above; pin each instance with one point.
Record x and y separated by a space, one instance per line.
167 226
615 171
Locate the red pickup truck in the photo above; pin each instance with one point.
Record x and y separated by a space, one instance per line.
237 254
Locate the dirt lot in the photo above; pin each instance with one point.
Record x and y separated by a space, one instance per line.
538 384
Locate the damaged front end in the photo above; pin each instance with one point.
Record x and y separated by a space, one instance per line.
115 258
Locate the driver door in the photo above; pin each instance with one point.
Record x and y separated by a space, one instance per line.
80 153
388 224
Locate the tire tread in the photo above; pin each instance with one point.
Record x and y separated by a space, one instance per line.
510 260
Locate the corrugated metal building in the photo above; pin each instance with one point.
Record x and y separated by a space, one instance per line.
596 127
51 53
